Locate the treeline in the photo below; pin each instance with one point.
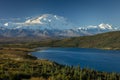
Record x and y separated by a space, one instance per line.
46 70
109 40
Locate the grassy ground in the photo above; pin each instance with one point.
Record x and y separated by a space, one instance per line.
16 62
16 53
46 70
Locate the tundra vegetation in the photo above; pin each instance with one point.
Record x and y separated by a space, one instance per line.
16 62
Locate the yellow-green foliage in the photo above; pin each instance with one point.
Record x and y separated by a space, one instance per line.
15 53
109 40
16 63
46 70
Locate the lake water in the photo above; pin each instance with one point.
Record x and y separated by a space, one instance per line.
101 60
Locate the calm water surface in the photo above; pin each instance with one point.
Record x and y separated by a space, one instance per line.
102 60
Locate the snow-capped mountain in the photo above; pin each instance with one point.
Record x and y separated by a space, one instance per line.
48 25
101 28
46 21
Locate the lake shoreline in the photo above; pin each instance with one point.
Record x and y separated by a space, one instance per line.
57 55
43 48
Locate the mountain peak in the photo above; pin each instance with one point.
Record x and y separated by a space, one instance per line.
101 26
105 26
45 21
51 25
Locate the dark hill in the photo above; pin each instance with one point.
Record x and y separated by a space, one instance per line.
110 40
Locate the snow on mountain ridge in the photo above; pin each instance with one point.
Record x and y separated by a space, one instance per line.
105 26
6 24
46 21
50 21
50 25
101 26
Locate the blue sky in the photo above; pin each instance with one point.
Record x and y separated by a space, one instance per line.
81 12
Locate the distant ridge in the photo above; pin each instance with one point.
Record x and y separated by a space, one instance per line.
110 40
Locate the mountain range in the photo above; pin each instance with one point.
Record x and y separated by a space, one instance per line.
48 25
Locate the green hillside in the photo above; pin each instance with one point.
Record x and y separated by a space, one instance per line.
109 40
18 64
46 70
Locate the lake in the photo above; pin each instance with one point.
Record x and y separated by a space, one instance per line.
101 60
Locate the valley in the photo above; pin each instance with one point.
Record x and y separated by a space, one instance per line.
17 64
60 40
